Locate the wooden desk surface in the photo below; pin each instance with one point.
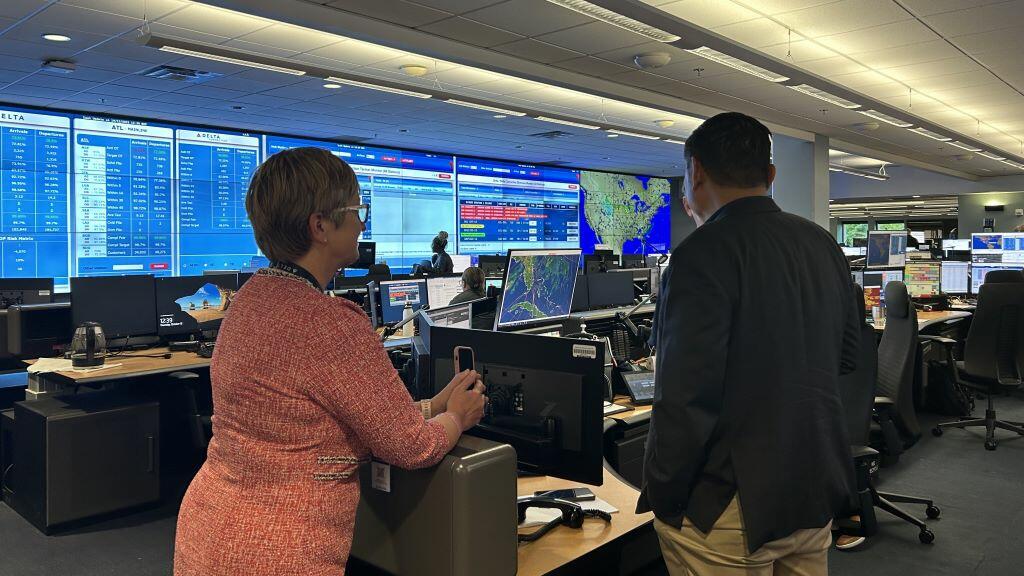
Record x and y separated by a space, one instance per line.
634 409
926 319
563 544
132 366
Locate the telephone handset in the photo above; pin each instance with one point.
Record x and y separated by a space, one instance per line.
572 514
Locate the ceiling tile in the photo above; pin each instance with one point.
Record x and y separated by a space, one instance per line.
537 51
882 37
86 19
290 38
976 19
470 32
457 6
397 11
123 91
148 9
352 52
592 66
709 13
593 38
995 41
915 72
215 21
18 9
843 16
528 17
828 67
907 55
930 7
756 33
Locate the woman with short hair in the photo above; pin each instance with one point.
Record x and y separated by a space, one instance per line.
472 286
303 392
441 262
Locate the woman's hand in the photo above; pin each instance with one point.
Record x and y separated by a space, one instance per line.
439 403
466 398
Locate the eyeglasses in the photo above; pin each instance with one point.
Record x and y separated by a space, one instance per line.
362 211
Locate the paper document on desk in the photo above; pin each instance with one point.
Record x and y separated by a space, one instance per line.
541 516
44 365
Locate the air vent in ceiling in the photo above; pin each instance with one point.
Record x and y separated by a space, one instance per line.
181 74
552 135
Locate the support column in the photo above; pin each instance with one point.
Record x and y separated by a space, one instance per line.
801 181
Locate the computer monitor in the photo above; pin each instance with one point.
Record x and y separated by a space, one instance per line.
544 397
999 248
599 262
492 266
632 261
886 249
610 290
367 255
580 294
857 276
244 277
493 283
442 289
655 280
461 262
457 316
538 286
124 306
395 293
979 271
923 279
854 251
956 277
957 245
15 291
874 285
188 305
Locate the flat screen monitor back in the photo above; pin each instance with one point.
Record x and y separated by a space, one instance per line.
580 295
492 265
612 289
25 291
367 255
544 396
193 304
123 305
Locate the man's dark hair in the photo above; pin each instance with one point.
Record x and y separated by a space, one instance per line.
734 149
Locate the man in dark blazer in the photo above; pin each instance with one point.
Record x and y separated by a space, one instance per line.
747 459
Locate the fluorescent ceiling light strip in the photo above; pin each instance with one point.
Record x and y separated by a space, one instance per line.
964 146
229 60
389 89
566 122
484 107
992 156
826 96
616 19
737 64
930 134
1012 163
633 134
856 172
680 142
886 118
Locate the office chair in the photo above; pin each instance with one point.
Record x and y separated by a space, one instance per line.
857 390
198 411
379 270
897 353
993 352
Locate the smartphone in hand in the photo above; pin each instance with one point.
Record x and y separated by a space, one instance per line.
464 359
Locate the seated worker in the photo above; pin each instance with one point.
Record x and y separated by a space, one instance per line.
297 414
472 286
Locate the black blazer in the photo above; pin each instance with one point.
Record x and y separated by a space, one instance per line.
442 263
755 323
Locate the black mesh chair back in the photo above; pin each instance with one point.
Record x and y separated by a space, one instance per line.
994 350
896 355
857 389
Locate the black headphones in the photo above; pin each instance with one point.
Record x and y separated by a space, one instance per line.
572 515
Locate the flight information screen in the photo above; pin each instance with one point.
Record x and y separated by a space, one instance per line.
411 196
504 205
998 248
123 172
34 184
214 169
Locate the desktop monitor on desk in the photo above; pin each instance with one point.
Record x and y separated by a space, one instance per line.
14 291
610 290
597 263
979 271
191 305
886 249
460 262
442 289
956 245
956 277
581 294
874 285
545 396
854 251
537 287
492 266
391 298
1005 248
457 316
125 306
923 279
633 261
367 255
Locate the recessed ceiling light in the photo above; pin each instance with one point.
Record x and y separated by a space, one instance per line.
992 156
499 116
633 134
826 96
56 38
736 63
566 122
378 87
929 134
616 19
238 107
916 196
484 107
964 146
413 69
613 135
886 118
680 142
332 86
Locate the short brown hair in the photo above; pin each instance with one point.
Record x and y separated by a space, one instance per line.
473 277
289 187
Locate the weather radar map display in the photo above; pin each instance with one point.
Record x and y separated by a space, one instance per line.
538 286
622 211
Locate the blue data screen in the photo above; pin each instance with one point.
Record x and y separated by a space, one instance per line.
504 205
411 196
122 207
34 152
214 170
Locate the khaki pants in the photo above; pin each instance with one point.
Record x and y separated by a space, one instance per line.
723 552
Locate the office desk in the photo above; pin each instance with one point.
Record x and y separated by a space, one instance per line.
610 312
597 544
928 319
131 366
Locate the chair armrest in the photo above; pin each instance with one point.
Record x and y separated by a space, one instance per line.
884 401
939 339
862 452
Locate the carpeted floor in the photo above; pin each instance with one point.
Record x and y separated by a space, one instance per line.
981 494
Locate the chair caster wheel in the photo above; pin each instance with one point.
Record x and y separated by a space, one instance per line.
926 536
933 511
936 431
990 444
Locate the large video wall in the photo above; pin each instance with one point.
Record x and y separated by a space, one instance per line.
88 196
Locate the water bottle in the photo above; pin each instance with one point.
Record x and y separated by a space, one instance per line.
408 330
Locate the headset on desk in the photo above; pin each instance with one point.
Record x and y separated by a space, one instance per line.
572 515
